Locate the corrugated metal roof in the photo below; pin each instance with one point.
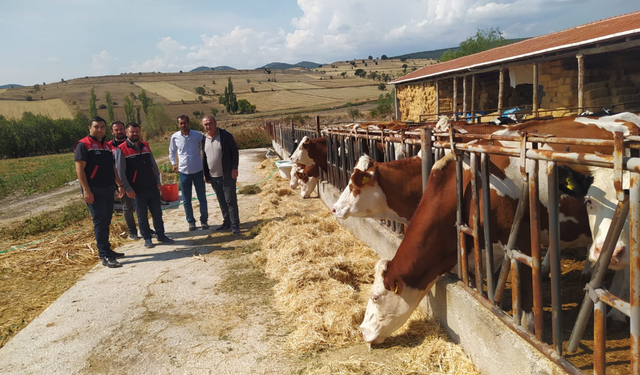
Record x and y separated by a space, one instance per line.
609 28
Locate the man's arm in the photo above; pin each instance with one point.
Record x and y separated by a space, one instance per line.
82 177
121 168
172 153
235 157
154 165
205 165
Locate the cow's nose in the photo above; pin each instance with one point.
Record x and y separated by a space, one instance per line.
333 210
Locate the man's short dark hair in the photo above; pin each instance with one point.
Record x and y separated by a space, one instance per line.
183 117
132 125
117 122
97 119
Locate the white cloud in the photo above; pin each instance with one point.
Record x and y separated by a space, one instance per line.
102 63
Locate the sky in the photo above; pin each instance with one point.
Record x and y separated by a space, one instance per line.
50 40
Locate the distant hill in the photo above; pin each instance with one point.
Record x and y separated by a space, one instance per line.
301 64
436 53
206 68
9 86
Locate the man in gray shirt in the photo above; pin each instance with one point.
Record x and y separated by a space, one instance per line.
220 163
187 144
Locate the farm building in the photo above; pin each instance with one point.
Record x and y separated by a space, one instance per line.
588 67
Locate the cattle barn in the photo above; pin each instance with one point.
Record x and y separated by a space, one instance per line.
587 68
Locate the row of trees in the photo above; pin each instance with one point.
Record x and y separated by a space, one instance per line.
33 135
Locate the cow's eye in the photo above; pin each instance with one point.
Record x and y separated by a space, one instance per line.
375 298
588 203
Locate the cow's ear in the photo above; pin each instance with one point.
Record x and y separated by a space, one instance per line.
381 266
361 178
573 183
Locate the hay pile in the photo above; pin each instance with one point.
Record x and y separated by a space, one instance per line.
323 279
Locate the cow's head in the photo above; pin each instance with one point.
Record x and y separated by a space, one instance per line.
307 186
300 155
601 204
388 307
294 181
362 197
600 199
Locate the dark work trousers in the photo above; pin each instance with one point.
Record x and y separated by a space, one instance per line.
225 189
127 211
149 199
102 211
197 180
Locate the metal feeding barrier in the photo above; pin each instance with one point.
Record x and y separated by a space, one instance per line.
346 144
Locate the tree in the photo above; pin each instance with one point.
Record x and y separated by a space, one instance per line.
352 63
200 98
404 67
382 86
245 107
370 57
145 100
110 115
138 121
344 74
482 41
93 111
383 57
403 59
128 109
229 99
200 90
214 111
360 73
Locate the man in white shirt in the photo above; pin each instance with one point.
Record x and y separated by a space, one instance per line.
187 146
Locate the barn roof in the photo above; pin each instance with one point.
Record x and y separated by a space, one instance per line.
608 29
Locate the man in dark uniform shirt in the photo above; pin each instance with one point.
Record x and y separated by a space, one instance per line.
97 175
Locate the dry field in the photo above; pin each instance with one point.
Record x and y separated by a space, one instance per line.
54 108
281 92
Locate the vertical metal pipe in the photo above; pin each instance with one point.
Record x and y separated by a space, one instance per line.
427 157
318 126
475 218
580 58
464 96
486 212
535 89
515 291
599 338
534 225
396 102
500 90
634 294
462 258
343 163
554 249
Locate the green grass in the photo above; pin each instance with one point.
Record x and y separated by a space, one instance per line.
25 176
44 222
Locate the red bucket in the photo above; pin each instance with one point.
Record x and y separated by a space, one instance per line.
170 192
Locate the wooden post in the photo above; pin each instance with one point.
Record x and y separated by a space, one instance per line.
464 96
317 126
580 58
454 105
423 95
395 94
535 89
437 100
473 94
500 90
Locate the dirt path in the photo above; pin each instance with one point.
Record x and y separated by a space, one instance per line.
197 306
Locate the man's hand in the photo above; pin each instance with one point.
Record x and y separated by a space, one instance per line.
121 192
88 196
175 168
131 194
234 174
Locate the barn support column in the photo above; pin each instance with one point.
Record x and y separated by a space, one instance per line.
395 95
500 90
423 94
464 95
454 105
437 99
535 89
580 58
473 94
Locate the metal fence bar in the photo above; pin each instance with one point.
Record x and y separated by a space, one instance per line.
534 228
486 212
554 250
634 295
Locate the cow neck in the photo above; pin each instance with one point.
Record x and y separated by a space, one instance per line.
429 245
318 152
401 182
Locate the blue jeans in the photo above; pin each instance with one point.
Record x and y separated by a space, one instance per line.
102 211
197 179
149 199
225 189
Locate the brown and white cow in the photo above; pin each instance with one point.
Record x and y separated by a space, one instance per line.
429 246
390 190
311 151
305 176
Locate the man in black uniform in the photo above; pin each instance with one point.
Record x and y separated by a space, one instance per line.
98 178
141 179
119 137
